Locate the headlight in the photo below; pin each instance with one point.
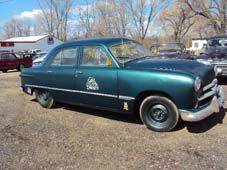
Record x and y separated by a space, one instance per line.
197 84
217 71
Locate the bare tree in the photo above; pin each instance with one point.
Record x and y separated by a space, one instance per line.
121 19
104 18
56 15
179 19
215 11
86 18
17 28
201 28
142 14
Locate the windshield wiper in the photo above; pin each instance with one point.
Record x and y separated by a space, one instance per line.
137 58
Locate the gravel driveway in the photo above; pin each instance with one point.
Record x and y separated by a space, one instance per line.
70 137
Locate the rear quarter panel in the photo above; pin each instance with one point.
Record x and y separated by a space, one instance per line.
32 76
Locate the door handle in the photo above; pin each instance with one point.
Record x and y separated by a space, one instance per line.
78 73
49 71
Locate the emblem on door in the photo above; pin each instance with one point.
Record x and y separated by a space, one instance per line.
92 84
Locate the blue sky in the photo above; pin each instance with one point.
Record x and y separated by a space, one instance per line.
28 10
16 7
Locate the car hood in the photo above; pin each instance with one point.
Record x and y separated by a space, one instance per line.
193 68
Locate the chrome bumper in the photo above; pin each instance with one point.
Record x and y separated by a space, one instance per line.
214 107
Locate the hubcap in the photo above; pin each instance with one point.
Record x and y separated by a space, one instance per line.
158 113
43 97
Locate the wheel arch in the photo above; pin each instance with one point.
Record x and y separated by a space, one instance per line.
142 95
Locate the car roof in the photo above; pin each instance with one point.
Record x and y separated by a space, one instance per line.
167 43
6 53
217 37
103 41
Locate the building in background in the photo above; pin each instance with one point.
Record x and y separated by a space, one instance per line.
30 43
198 45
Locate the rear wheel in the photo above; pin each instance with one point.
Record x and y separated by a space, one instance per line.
21 66
4 71
44 98
159 113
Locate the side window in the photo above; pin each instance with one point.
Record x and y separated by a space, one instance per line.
95 56
57 59
65 57
69 57
5 57
11 56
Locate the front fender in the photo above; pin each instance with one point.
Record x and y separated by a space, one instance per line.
178 86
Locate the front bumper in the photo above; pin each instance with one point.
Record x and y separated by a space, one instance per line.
214 107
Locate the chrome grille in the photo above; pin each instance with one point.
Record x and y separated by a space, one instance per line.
223 66
207 93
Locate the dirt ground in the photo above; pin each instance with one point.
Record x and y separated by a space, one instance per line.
70 137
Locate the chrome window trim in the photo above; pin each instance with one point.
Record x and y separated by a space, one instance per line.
82 92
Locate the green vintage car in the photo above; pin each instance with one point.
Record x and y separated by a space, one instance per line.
117 74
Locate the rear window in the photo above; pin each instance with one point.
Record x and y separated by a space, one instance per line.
7 56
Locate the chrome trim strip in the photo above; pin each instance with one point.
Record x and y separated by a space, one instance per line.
82 92
73 91
211 93
126 98
214 82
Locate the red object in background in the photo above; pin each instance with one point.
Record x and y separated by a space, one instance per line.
9 61
7 44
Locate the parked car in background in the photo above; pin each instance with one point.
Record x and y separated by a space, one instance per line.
215 53
119 75
38 61
4 51
39 55
24 54
170 50
10 61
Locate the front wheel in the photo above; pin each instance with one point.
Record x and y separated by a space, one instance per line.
159 113
21 66
4 71
44 98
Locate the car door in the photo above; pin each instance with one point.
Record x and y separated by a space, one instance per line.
96 78
2 64
6 64
13 61
59 73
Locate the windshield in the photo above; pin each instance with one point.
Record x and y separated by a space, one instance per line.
128 51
